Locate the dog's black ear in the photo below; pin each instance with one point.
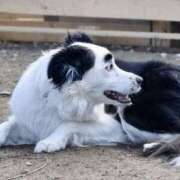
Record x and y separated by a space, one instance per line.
77 37
61 71
70 64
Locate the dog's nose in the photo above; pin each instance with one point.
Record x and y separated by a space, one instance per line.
139 81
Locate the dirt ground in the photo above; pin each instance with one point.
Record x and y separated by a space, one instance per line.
96 163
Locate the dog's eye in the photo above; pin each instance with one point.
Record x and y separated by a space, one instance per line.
109 67
108 58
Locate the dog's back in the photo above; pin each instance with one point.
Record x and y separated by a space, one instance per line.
156 107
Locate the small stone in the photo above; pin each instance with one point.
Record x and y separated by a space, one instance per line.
148 49
178 55
56 178
5 93
28 163
163 55
131 50
25 171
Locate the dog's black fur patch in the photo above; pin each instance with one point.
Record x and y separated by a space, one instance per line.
77 37
70 64
157 107
110 109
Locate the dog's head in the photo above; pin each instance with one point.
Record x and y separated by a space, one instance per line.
85 64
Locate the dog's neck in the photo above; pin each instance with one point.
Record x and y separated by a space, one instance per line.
76 104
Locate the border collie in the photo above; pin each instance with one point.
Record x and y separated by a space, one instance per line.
155 111
53 104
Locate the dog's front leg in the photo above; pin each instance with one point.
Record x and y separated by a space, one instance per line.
5 130
80 133
60 138
56 141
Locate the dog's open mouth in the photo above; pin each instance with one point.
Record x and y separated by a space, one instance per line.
114 95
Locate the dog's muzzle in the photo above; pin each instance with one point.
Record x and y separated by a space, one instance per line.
123 98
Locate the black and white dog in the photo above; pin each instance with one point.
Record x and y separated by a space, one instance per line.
155 111
53 104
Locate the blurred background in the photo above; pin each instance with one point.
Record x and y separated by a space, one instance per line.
119 22
135 30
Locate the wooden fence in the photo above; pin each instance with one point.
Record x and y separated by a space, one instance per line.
134 22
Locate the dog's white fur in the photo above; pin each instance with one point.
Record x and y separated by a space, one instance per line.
53 118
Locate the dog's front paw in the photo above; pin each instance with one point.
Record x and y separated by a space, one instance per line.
162 148
151 148
49 146
175 162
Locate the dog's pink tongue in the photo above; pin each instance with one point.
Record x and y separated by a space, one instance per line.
123 98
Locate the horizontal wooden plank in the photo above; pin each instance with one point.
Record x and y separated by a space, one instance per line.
30 34
42 37
165 10
101 33
79 24
12 16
